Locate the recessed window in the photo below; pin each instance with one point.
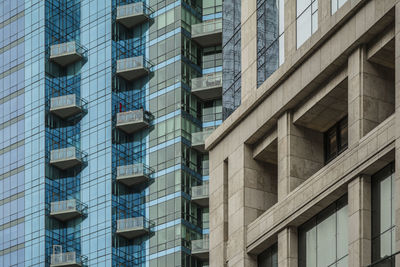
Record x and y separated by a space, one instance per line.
336 4
269 258
383 217
323 240
336 140
307 19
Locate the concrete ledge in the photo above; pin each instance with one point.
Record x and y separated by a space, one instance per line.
373 151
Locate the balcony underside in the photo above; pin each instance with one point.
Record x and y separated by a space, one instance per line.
133 74
201 201
199 147
131 127
208 93
66 265
66 164
201 254
133 233
132 21
66 59
66 112
131 180
65 215
208 39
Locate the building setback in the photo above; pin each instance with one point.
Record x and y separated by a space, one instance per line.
104 109
304 172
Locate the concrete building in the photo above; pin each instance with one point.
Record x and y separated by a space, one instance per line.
104 108
305 171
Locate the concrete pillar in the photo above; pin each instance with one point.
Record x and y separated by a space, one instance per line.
300 154
248 48
397 118
290 28
359 209
251 191
288 247
370 95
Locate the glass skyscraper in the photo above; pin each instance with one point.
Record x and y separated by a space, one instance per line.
104 109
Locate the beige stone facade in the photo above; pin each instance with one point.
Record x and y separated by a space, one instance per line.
268 173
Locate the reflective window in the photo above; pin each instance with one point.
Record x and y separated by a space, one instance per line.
270 37
323 239
383 216
307 19
336 4
269 258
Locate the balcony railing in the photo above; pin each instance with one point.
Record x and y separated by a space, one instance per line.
200 194
200 248
66 106
66 53
66 158
133 174
198 140
133 227
133 121
133 14
133 67
208 87
67 209
208 33
70 259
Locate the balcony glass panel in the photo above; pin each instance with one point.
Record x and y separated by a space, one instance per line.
66 259
207 27
208 87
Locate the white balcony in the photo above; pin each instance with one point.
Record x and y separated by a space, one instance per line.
66 158
133 14
200 195
66 210
208 33
208 87
132 121
133 227
132 68
200 248
66 53
198 140
65 106
134 174
66 259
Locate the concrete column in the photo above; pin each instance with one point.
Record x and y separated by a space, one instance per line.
248 48
218 212
370 95
397 118
359 209
290 28
300 154
250 193
288 248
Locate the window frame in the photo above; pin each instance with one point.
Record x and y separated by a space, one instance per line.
336 128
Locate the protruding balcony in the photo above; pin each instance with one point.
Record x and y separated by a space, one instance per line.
200 248
208 33
66 106
67 259
133 174
133 14
199 138
133 121
200 195
133 227
66 53
66 158
208 87
66 210
133 68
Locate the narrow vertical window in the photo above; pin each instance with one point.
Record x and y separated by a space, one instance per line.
270 38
